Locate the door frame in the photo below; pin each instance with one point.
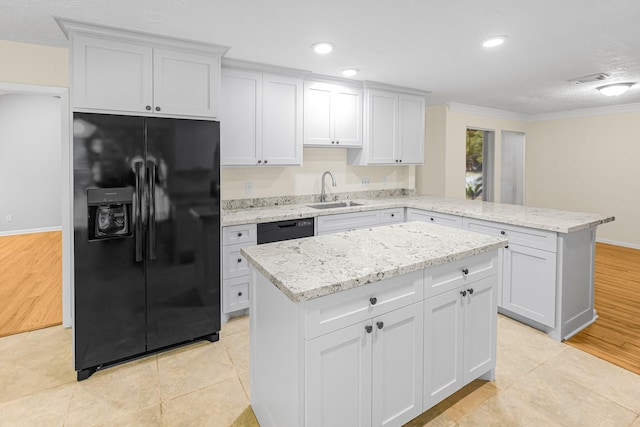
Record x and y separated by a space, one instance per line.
66 185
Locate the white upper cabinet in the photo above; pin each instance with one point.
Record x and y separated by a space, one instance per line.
393 129
261 119
138 73
332 115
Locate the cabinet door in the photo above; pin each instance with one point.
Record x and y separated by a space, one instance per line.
480 313
318 125
241 118
235 294
111 75
281 120
443 346
346 222
347 116
411 128
185 84
397 366
338 378
529 283
382 124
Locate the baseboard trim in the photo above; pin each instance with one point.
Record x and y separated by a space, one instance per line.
30 231
617 243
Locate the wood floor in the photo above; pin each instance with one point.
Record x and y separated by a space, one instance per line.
30 282
615 336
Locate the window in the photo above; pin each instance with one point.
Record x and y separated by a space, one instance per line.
479 168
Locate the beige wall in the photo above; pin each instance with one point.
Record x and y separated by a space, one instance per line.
585 164
33 64
588 164
305 180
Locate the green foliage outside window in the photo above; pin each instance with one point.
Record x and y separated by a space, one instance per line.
474 150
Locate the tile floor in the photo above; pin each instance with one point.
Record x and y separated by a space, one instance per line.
539 382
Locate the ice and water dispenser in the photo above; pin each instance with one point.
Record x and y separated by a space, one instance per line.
109 212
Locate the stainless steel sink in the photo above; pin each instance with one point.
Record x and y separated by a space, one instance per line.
331 205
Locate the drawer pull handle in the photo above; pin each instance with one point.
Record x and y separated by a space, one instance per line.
503 232
465 271
392 215
239 234
239 260
470 291
368 328
373 300
380 325
239 294
463 293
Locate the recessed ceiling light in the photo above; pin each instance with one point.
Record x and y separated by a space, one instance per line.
494 41
615 89
350 72
322 47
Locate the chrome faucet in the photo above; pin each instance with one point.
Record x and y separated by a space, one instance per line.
323 193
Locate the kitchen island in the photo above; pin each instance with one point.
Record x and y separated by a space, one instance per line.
547 270
372 326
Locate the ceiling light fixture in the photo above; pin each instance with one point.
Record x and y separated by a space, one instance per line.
322 47
494 41
350 72
614 89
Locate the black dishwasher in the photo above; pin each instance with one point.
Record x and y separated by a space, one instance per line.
284 230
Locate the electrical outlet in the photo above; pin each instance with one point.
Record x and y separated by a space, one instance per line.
248 187
365 181
8 217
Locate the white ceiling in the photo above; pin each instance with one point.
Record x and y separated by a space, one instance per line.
433 45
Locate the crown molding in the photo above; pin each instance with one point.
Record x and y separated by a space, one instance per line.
485 111
502 114
242 65
586 112
368 84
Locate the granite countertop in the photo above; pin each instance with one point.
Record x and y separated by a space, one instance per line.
538 218
312 267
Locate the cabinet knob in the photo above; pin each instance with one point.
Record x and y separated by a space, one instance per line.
368 328
396 160
463 293
157 108
265 162
506 247
470 291
333 142
400 160
373 300
259 161
240 234
380 325
392 215
337 142
431 219
239 294
148 107
239 260
465 271
503 232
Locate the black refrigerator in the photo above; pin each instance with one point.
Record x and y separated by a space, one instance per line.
146 236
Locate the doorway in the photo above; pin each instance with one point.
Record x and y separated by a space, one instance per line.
33 162
512 168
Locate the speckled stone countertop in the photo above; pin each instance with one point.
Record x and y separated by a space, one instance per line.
538 218
312 267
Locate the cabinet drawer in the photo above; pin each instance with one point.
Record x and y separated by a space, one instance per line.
539 239
235 294
335 311
233 263
348 221
449 276
434 217
391 216
245 233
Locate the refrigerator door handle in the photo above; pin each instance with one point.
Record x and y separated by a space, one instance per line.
139 171
152 210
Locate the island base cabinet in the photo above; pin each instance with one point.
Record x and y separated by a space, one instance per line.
459 339
367 374
529 283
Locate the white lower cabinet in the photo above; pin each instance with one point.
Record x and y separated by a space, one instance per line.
368 373
327 224
376 355
459 338
236 277
434 217
529 283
